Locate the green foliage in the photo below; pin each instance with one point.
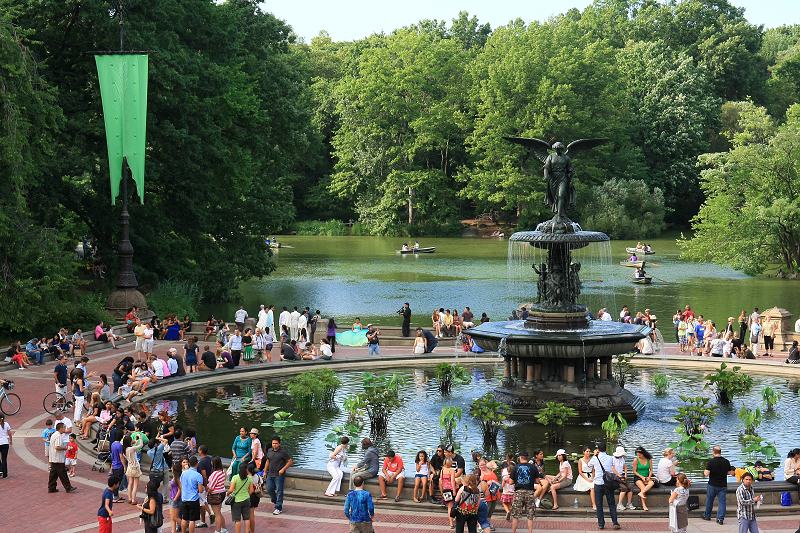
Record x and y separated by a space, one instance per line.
752 186
770 397
554 416
449 374
448 422
761 449
318 227
380 398
660 383
625 210
728 384
350 431
623 368
614 426
176 297
242 405
490 415
354 407
693 418
314 389
751 419
282 420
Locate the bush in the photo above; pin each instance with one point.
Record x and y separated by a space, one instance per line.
84 311
660 383
318 227
447 375
175 297
554 416
380 398
614 426
625 209
448 422
623 368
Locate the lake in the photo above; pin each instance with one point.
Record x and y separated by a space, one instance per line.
349 277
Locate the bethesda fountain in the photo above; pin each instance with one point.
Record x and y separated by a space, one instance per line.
557 353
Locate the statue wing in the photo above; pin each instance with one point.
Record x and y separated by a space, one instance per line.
581 145
539 147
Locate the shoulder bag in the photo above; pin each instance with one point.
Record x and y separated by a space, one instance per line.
230 499
610 479
155 520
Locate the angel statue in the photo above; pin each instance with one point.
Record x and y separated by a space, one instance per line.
559 172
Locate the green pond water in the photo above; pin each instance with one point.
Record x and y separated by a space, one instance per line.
348 277
415 426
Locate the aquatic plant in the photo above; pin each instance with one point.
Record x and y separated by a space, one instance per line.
448 375
660 383
623 368
241 405
614 426
694 418
448 421
554 416
282 420
314 389
728 384
770 397
490 415
380 398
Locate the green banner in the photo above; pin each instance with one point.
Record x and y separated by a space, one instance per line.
123 89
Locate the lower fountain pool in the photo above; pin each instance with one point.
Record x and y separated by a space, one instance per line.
415 426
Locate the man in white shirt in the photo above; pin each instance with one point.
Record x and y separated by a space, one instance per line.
172 364
302 323
240 317
262 318
622 313
61 419
602 463
57 468
235 344
294 320
606 315
282 319
797 326
156 366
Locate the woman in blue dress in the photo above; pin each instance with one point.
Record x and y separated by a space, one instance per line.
242 449
355 337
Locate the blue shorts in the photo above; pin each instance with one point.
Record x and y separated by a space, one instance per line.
483 515
420 475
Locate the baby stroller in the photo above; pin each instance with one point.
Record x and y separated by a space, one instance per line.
103 448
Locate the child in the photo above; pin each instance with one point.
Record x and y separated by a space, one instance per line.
508 486
46 434
127 392
71 455
447 486
104 513
190 354
764 474
421 476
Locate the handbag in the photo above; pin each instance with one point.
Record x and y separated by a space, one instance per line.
494 488
610 479
447 495
693 503
216 498
230 499
155 520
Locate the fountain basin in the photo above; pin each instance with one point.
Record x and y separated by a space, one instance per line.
600 339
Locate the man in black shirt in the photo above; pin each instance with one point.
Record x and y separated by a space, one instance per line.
145 426
437 462
278 461
718 469
209 360
458 462
406 312
430 340
525 477
287 351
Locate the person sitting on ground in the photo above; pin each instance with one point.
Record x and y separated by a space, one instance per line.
794 355
288 352
127 391
325 352
392 471
310 353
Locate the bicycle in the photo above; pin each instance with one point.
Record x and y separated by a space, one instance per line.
55 401
10 403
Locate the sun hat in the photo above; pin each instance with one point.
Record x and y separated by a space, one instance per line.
254 430
619 452
561 451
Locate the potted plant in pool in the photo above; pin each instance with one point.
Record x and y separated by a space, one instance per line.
448 421
614 426
380 398
554 416
448 375
694 418
490 415
728 384
314 389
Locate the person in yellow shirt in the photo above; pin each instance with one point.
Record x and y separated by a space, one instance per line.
139 332
448 329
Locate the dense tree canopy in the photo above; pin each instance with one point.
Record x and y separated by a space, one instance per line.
249 130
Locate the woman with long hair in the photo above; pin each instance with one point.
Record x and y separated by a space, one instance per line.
742 324
78 391
216 491
435 318
134 472
190 350
92 417
488 476
584 481
210 327
564 477
242 450
643 474
467 501
420 343
241 488
175 500
256 486
422 466
152 505
338 457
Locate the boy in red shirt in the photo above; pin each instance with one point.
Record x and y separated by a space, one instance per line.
392 470
71 455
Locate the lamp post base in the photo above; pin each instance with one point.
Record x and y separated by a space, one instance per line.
121 300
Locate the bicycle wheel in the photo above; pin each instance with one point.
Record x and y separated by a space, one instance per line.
10 404
55 401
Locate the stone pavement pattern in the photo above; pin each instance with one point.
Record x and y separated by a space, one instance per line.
26 488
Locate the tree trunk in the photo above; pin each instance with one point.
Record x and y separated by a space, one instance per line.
411 205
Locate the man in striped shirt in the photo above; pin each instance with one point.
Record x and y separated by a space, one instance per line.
746 500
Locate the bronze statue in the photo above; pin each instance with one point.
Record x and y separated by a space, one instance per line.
559 172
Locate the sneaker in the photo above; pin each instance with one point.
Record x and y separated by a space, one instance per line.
213 518
631 507
620 507
276 511
617 526
538 502
480 529
201 524
223 530
719 521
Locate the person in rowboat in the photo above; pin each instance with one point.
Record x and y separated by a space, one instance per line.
640 273
633 257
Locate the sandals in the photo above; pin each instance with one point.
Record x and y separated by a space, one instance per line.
555 508
397 499
119 500
383 497
330 495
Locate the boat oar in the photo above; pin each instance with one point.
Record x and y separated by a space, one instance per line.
659 279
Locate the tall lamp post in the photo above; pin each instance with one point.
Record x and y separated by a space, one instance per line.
123 88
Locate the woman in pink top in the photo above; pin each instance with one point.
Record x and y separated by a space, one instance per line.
258 451
101 335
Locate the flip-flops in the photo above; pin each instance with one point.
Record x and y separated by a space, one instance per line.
383 497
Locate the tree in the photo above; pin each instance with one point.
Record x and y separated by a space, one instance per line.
672 110
546 81
752 213
625 210
228 124
401 124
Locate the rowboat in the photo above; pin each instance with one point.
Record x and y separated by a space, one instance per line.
642 281
279 245
637 252
632 264
428 250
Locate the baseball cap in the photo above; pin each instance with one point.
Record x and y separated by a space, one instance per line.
449 448
369 325
523 453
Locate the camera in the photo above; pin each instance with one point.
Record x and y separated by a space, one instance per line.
401 311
